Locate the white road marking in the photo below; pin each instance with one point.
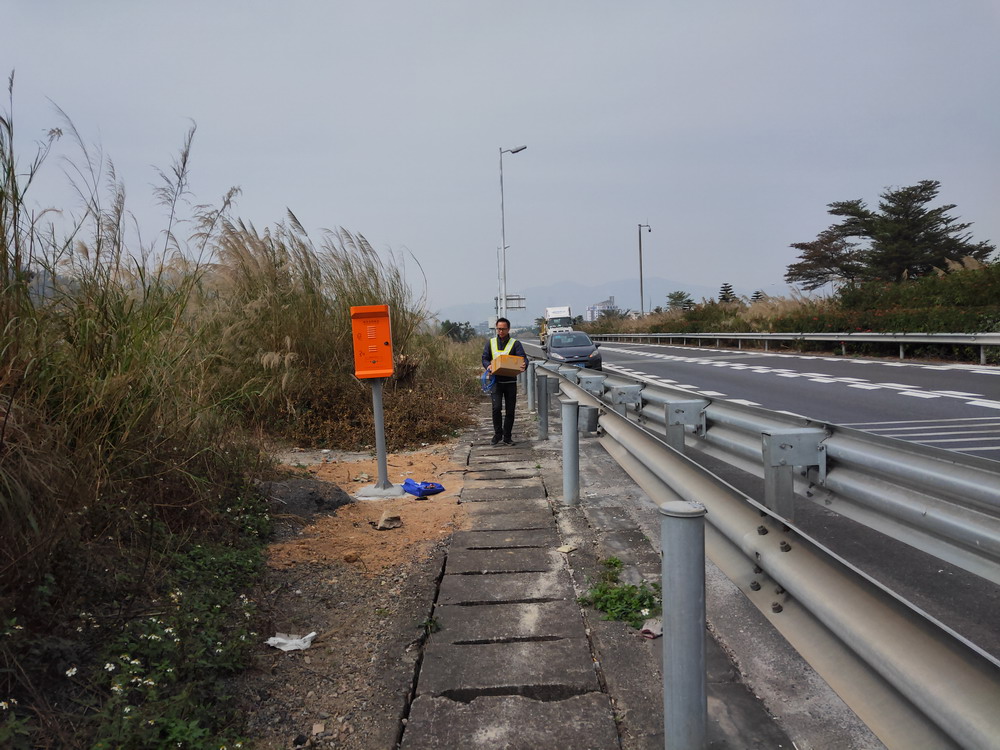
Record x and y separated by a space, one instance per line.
941 434
987 404
919 421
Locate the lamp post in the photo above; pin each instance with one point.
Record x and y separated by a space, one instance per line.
502 296
642 310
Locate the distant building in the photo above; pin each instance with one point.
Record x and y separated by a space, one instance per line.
594 312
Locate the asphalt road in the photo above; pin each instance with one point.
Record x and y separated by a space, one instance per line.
949 406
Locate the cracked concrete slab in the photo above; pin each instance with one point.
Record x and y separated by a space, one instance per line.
583 722
497 622
544 538
508 560
506 587
558 668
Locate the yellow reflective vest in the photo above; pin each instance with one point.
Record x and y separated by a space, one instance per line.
496 351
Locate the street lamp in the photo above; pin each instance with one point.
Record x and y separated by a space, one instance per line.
502 296
642 311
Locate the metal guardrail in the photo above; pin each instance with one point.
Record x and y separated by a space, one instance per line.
907 676
982 340
943 503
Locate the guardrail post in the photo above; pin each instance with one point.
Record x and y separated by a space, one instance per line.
588 419
593 383
783 450
685 706
678 414
530 385
543 407
623 395
572 374
570 453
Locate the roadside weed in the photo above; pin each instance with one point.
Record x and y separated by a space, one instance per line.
622 601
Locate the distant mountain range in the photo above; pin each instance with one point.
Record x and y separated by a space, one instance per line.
579 297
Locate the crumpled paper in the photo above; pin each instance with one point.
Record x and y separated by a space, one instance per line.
652 628
291 642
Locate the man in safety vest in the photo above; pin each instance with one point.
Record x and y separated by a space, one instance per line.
505 389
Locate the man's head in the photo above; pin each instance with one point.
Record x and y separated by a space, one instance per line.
503 328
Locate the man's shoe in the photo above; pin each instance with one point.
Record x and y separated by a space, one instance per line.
509 442
494 441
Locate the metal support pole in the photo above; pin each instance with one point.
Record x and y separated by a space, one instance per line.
779 490
530 385
570 453
642 305
543 407
383 482
675 437
502 292
901 351
685 706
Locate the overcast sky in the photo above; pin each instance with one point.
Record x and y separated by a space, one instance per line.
726 125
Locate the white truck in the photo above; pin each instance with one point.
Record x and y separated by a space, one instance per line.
556 319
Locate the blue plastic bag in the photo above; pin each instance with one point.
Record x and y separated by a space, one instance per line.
487 379
421 489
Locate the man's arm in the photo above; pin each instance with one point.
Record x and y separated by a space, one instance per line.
487 359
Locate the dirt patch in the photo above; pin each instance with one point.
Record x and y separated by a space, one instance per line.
367 593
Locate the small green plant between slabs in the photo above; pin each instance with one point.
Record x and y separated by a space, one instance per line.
622 601
431 625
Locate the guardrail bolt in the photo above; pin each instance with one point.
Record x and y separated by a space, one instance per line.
755 585
785 546
775 607
757 569
779 591
762 530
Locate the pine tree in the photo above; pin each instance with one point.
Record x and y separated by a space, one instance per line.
902 239
679 301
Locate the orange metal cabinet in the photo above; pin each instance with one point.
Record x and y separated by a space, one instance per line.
372 341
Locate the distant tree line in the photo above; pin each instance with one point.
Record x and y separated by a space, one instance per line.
460 332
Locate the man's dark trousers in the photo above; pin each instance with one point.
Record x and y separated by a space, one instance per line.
504 395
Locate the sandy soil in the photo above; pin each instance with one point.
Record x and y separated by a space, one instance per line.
366 593
350 534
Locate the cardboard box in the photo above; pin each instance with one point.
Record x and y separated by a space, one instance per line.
507 364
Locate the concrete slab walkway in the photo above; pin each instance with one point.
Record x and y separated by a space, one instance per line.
514 661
